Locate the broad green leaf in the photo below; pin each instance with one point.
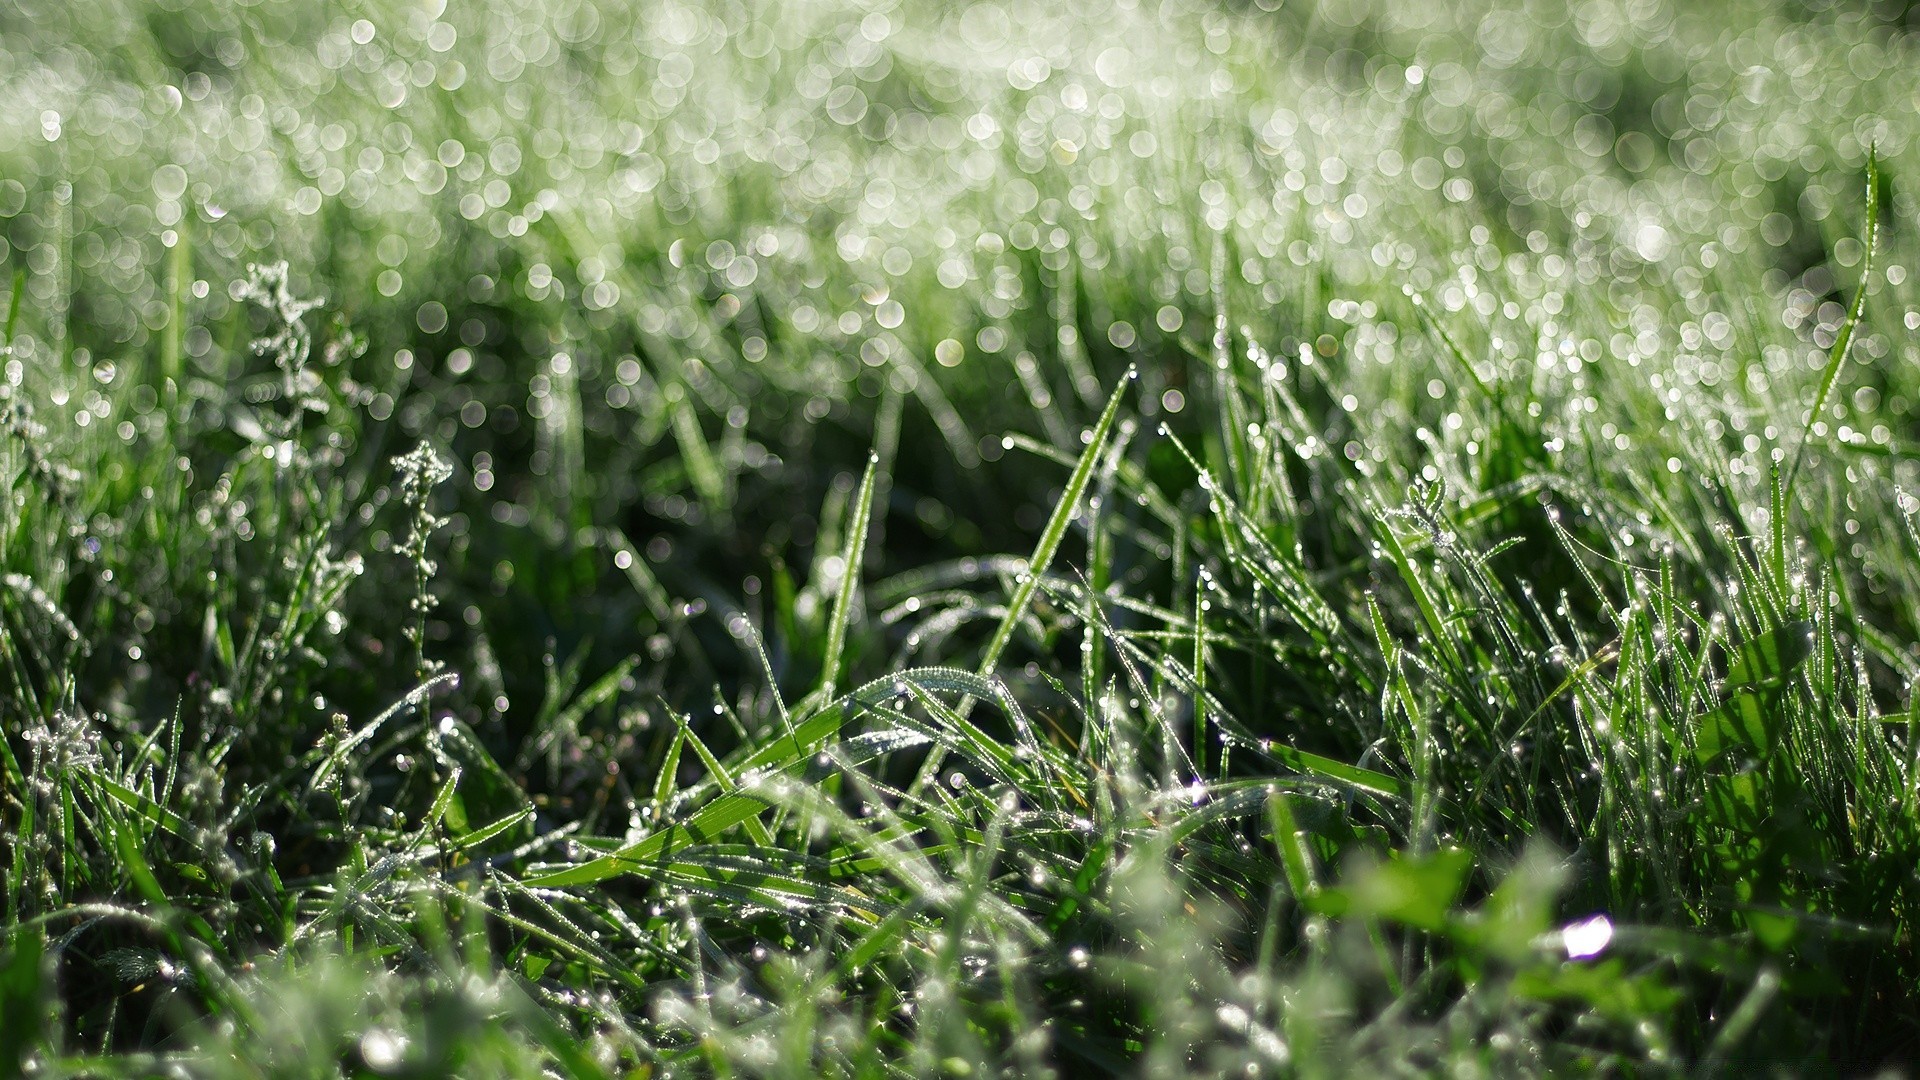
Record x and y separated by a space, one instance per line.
1774 929
1743 724
1771 658
1733 802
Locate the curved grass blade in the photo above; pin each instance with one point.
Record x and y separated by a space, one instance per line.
735 808
1056 530
1837 356
1043 553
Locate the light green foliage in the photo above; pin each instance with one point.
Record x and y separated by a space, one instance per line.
718 538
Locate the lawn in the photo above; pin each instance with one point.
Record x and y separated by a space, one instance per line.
886 538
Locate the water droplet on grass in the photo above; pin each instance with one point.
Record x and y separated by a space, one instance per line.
382 1050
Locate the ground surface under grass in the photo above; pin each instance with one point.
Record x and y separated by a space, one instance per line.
912 539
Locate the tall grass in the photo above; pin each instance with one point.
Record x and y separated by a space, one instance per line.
722 539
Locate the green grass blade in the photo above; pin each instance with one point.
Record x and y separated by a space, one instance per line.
1055 531
1837 356
852 558
716 817
1037 564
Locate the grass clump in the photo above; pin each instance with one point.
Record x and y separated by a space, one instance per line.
704 539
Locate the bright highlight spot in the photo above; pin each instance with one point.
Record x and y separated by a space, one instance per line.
1588 937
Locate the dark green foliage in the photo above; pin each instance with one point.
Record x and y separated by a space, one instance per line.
785 540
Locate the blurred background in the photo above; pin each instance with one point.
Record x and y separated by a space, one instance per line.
657 276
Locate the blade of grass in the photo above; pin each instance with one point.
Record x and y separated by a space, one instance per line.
1837 356
852 557
1042 557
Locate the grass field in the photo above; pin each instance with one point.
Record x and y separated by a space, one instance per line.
723 538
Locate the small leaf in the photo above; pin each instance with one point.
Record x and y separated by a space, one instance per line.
1744 723
1520 911
485 833
1733 802
1768 660
1774 929
1609 986
1418 892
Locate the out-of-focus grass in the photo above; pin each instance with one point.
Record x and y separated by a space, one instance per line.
806 539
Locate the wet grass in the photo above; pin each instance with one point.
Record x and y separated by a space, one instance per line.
722 540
